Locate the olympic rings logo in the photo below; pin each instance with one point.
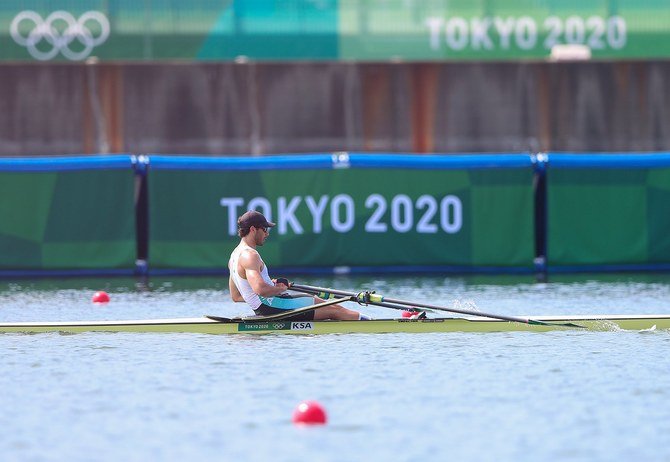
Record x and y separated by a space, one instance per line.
58 31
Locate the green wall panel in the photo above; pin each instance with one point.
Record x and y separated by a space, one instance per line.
601 216
67 220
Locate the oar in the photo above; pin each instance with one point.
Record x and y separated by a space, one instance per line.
376 299
288 314
327 296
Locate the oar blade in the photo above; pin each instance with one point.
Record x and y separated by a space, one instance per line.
570 325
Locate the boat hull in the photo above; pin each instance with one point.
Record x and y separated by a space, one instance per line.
465 324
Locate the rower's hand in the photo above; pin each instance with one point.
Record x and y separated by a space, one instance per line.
282 281
282 284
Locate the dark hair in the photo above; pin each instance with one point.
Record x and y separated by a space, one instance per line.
243 231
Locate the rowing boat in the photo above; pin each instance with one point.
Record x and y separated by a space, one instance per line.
469 321
205 325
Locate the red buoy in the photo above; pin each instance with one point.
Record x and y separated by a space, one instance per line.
309 413
408 314
100 297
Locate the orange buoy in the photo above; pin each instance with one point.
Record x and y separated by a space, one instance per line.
309 413
100 297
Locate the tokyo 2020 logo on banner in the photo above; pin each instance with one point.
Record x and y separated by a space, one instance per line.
61 33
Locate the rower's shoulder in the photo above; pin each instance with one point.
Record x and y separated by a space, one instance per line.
246 252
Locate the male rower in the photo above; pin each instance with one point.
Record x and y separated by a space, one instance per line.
249 280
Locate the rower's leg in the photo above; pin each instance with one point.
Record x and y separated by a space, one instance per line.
336 312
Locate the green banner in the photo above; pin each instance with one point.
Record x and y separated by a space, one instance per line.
600 216
67 220
345 217
502 29
75 30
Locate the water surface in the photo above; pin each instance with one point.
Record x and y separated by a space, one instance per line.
562 395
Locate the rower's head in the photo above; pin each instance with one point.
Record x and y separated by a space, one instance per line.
253 221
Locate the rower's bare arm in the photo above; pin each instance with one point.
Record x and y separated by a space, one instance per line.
252 264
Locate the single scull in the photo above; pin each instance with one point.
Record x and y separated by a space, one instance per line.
205 325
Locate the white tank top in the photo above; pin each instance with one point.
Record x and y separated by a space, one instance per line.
243 285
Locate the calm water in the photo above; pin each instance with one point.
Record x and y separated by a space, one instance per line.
511 396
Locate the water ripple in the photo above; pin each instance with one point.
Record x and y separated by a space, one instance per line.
561 395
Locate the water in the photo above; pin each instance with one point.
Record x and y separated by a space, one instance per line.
562 395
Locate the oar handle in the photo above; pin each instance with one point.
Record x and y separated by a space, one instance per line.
362 297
